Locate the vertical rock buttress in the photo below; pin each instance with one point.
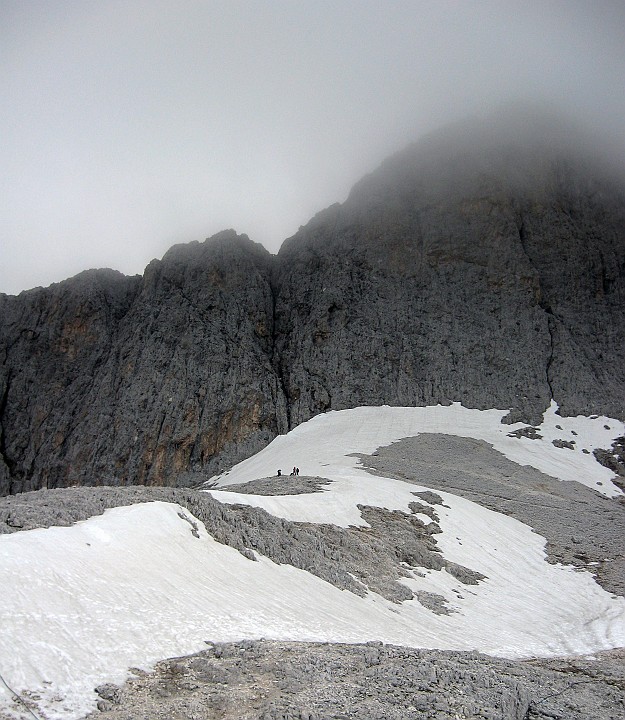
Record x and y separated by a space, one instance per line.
159 380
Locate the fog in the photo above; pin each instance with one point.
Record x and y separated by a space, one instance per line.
128 126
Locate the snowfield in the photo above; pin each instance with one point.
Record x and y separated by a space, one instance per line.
81 605
328 440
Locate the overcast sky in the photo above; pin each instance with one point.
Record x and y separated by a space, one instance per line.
127 126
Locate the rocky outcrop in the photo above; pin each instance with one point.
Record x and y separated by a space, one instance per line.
491 272
277 680
480 266
114 380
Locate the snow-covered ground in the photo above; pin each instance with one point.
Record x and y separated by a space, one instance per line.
328 440
81 605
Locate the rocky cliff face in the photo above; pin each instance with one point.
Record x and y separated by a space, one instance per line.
495 276
487 270
114 380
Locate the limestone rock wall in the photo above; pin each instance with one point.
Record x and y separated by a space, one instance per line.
488 282
488 274
114 380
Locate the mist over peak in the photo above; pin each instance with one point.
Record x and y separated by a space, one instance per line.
520 147
111 152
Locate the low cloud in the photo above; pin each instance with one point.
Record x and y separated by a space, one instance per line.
130 126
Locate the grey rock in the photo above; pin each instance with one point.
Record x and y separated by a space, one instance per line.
109 692
582 528
474 266
613 459
427 495
435 282
465 575
434 602
53 343
417 508
280 485
568 444
278 680
113 380
528 432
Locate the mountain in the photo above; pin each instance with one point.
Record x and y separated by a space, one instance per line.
398 452
483 265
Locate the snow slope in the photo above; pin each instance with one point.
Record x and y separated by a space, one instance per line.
327 440
83 604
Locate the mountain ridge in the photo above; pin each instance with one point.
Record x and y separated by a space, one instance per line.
488 279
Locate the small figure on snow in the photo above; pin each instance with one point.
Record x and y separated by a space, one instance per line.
279 473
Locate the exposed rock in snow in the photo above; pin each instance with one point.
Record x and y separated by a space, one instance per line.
582 528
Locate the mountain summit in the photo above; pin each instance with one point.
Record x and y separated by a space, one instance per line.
483 265
471 289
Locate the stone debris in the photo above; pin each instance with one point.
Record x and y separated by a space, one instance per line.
280 485
528 432
312 681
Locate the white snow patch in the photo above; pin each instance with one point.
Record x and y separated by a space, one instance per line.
83 604
326 441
